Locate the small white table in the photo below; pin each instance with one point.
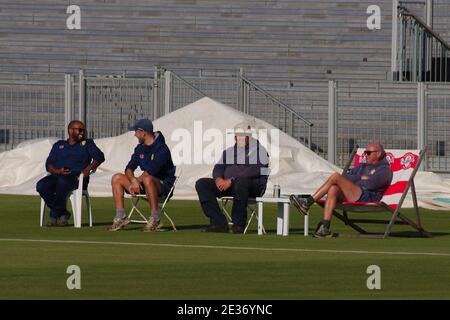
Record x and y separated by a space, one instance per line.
282 215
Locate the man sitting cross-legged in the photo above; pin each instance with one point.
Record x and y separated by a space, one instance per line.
364 183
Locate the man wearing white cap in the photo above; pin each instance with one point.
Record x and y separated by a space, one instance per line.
242 172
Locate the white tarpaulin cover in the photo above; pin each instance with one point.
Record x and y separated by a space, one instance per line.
190 132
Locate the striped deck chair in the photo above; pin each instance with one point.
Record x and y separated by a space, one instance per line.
404 165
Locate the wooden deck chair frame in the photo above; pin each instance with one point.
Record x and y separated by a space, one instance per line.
76 199
161 205
396 218
251 207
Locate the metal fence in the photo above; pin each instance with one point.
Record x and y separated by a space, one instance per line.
113 104
328 117
399 115
30 110
421 54
367 111
437 103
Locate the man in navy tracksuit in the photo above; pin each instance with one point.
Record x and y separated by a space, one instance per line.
67 159
242 172
153 157
365 183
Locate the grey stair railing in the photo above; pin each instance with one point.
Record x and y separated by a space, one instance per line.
422 55
260 103
252 100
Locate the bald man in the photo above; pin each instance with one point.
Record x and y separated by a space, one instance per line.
67 159
365 183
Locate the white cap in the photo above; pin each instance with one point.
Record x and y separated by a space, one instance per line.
243 129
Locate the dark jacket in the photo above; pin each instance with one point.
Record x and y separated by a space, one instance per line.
380 176
76 157
249 162
155 159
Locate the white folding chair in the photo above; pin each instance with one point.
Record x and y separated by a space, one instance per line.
161 205
76 200
251 208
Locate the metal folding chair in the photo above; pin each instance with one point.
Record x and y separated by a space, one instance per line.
251 208
162 202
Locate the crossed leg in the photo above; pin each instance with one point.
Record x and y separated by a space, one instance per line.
337 188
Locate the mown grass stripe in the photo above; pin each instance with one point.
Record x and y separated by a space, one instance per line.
441 254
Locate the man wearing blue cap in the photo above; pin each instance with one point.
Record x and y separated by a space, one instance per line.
67 159
153 157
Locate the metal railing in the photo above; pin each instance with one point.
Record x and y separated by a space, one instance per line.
112 104
368 111
261 104
401 115
422 55
244 95
30 110
181 92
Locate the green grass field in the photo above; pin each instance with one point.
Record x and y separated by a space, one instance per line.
188 264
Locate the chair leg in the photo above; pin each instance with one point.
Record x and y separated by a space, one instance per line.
249 221
134 203
223 203
89 208
253 213
171 221
42 213
73 202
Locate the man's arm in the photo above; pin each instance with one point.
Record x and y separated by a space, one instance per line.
134 186
92 166
353 174
381 178
52 169
98 157
218 171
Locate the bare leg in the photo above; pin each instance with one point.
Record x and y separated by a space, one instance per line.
350 190
334 196
152 189
119 182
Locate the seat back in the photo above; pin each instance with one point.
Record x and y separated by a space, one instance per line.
404 164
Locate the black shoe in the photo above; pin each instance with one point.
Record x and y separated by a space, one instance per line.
63 221
237 229
52 222
323 232
216 228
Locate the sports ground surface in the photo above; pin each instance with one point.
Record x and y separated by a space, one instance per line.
188 264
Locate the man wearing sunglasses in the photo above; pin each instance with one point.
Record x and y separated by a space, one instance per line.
67 159
364 183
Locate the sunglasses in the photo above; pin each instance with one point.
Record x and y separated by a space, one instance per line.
369 152
79 129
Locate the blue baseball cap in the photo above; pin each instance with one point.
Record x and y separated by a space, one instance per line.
142 124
